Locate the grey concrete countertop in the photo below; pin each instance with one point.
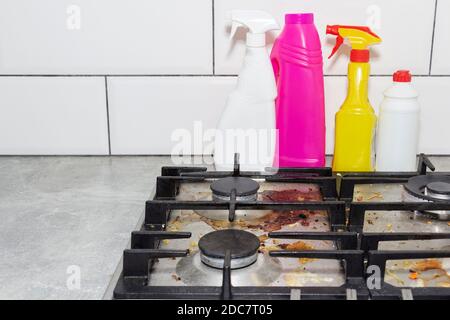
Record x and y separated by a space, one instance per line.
61 215
67 216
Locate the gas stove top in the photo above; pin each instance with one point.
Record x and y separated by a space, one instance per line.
288 235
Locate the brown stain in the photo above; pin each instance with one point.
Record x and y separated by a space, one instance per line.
309 194
275 220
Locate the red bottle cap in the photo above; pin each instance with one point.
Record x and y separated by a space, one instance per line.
359 55
402 76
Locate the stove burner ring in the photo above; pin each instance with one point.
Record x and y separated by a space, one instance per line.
430 188
243 248
438 190
246 189
433 188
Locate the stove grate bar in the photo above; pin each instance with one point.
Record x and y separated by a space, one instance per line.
131 289
269 173
358 210
354 259
177 171
344 240
167 186
157 211
370 241
136 262
226 292
150 239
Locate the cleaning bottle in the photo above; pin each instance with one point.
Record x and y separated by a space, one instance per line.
398 126
298 66
247 125
356 120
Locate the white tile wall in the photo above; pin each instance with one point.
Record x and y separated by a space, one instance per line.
136 128
145 111
441 48
404 25
114 37
165 49
53 115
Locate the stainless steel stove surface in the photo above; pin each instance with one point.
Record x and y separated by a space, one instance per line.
266 271
409 273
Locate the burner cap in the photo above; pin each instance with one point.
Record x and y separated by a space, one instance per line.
429 187
244 186
243 247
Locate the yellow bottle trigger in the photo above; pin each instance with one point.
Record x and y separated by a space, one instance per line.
360 38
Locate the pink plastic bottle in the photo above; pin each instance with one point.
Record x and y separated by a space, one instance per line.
300 114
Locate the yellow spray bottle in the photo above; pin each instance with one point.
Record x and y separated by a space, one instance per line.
356 120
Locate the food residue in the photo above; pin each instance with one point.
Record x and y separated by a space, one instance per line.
298 246
376 195
175 277
427 264
193 245
413 275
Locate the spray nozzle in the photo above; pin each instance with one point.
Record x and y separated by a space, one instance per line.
360 38
258 23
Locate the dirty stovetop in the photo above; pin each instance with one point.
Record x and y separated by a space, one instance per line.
270 271
266 271
411 273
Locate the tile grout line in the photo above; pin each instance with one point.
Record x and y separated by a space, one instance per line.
213 41
432 36
107 115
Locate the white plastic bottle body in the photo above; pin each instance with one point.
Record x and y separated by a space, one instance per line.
398 130
247 125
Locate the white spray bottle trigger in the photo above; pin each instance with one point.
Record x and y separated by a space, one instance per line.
258 23
234 27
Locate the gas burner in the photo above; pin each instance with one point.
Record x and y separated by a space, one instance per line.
438 190
244 189
243 247
192 271
435 188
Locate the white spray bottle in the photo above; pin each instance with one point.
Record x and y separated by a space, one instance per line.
247 125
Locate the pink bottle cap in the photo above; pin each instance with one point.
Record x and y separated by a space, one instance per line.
299 18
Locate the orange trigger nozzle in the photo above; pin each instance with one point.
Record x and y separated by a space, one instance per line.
339 42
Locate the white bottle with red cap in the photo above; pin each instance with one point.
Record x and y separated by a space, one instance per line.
398 126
